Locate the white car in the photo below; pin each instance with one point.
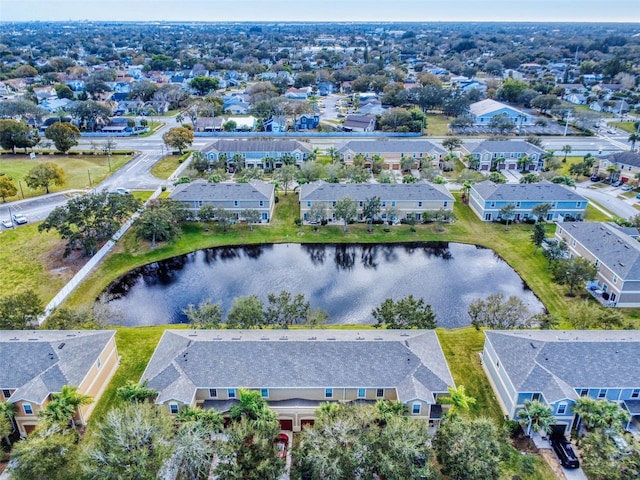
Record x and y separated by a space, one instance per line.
120 191
20 219
7 223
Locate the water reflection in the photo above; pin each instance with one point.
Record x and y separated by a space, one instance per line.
347 281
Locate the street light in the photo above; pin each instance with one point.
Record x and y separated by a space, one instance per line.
21 192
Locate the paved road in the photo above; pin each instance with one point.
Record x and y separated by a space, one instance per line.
608 198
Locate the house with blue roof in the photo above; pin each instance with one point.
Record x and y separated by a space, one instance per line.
486 199
557 367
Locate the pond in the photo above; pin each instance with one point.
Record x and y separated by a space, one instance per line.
347 281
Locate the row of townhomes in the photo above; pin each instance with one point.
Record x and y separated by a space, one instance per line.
615 251
399 201
488 198
295 371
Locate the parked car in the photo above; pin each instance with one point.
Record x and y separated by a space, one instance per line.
121 191
627 188
638 195
564 451
617 184
7 223
595 178
20 219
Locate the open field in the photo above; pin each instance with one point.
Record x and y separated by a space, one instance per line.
437 125
78 170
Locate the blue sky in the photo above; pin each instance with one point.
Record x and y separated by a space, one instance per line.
323 10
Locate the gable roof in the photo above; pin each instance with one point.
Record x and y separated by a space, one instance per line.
257 146
522 192
419 191
557 363
359 121
409 360
200 190
612 246
626 158
484 107
395 146
38 363
506 146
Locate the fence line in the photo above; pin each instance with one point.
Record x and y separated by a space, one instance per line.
79 277
307 134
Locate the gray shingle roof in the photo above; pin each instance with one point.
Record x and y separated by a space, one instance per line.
506 146
33 363
410 360
626 158
391 146
201 190
557 362
611 245
258 146
521 192
420 191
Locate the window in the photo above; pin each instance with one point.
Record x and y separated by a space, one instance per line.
393 203
445 203
308 204
173 408
361 203
235 203
635 393
602 393
379 392
213 393
517 204
328 393
6 394
264 392
362 392
231 393
578 204
492 204
28 409
562 408
98 363
384 203
334 204
498 364
416 408
262 203
584 392
615 279
535 396
419 204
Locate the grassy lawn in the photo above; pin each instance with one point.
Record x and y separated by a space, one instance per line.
595 215
437 125
628 127
135 347
77 170
167 165
32 260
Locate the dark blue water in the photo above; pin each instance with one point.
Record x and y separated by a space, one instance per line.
347 281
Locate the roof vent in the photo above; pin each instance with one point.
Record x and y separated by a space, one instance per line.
14 339
404 334
61 346
359 338
284 337
312 338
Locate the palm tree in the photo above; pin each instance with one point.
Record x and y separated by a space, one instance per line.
65 404
600 414
466 190
633 138
507 212
7 412
524 163
459 400
567 150
613 170
536 416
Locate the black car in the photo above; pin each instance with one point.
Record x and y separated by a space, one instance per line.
564 451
